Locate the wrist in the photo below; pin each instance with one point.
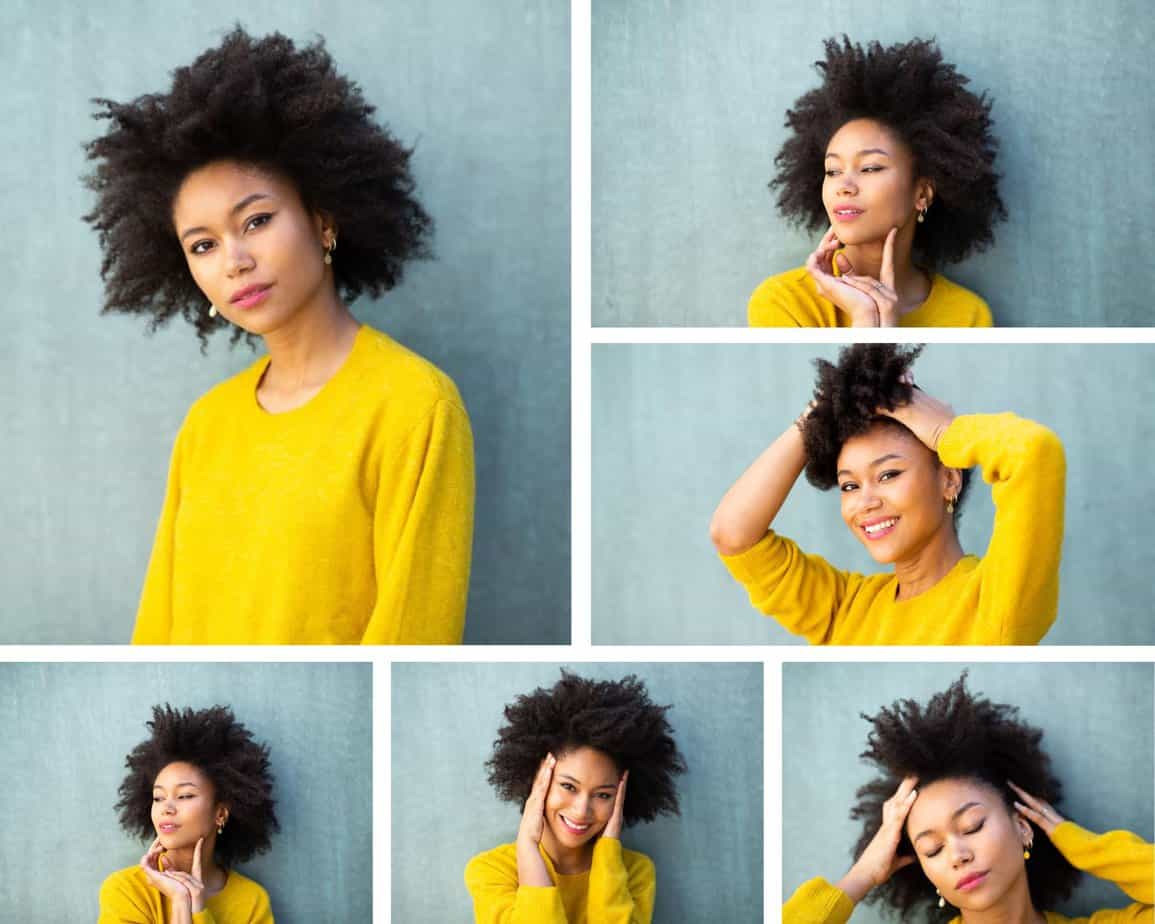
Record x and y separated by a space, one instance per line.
856 884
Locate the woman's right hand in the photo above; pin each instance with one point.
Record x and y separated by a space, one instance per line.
880 859
533 816
165 883
869 302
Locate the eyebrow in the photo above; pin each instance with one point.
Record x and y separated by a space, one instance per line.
863 151
240 206
954 815
574 779
177 786
876 462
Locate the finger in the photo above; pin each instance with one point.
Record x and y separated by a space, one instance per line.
843 263
1026 796
196 863
905 789
887 274
900 862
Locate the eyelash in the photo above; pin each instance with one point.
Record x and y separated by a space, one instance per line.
870 169
889 475
569 787
249 224
975 830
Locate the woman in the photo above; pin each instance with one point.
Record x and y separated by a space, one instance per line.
899 459
201 787
895 156
567 755
324 494
949 834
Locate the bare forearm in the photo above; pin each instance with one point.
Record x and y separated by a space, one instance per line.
753 501
856 884
181 911
531 868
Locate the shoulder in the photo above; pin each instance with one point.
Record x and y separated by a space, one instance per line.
123 883
394 371
240 888
962 307
788 299
498 864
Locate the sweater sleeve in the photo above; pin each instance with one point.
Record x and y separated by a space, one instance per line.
154 615
423 534
1118 856
817 902
617 894
802 592
1025 465
498 899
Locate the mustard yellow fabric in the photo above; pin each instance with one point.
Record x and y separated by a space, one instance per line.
1117 856
791 299
618 888
126 897
347 520
1008 597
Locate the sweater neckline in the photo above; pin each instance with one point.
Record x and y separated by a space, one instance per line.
321 398
927 302
947 579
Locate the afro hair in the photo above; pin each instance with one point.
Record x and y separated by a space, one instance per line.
223 750
957 735
267 104
914 93
614 717
847 398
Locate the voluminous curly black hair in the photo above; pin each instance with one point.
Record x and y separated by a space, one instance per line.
847 397
918 96
223 750
614 717
958 735
264 103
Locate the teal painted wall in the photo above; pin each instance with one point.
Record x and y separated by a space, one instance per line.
689 101
68 727
445 719
90 405
1097 722
674 425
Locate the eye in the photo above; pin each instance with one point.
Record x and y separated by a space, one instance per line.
889 474
977 828
603 795
258 220
568 787
873 168
199 247
847 486
187 796
933 853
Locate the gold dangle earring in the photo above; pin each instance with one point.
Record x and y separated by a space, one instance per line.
330 250
950 505
922 214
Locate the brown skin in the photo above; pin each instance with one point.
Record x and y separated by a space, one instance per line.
868 167
583 787
179 863
240 225
959 827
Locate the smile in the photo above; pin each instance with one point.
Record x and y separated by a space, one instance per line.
167 828
847 214
879 528
572 828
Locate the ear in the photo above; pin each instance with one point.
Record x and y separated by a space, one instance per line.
923 193
324 224
951 482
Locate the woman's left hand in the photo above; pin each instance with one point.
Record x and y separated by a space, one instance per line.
925 417
192 881
614 825
882 290
1041 813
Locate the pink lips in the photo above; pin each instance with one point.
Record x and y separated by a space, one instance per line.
973 881
167 828
251 296
878 533
849 215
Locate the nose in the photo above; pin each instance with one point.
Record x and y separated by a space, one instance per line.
237 257
960 854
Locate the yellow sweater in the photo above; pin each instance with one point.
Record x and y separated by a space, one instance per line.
1118 856
791 299
618 888
127 897
347 520
1009 597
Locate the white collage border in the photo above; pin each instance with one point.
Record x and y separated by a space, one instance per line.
583 337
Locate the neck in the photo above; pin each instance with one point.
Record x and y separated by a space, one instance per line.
212 875
306 351
1013 908
911 284
930 564
568 860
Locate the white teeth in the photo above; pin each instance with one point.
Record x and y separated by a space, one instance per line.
578 828
876 527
